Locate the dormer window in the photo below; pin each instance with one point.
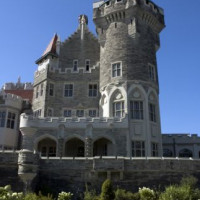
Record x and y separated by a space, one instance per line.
75 65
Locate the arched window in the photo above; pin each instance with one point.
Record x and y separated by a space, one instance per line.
117 101
136 105
185 153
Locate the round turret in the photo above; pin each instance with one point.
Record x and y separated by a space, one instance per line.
128 33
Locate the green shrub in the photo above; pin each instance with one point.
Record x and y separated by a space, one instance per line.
121 194
147 194
175 192
7 194
107 192
65 196
90 195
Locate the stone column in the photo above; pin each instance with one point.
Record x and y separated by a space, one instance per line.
60 150
88 147
27 140
27 167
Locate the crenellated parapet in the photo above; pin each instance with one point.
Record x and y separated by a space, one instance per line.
12 100
79 123
122 10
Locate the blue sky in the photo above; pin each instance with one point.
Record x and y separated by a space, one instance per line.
26 27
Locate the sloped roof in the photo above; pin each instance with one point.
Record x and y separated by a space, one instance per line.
24 94
51 49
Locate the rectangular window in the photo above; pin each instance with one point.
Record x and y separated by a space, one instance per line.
37 92
152 75
51 89
136 109
118 109
52 151
11 120
37 113
41 89
67 113
87 65
154 149
80 113
50 112
138 149
68 90
2 118
92 113
116 69
75 65
152 112
92 90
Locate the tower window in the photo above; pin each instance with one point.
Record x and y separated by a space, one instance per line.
80 113
118 109
152 112
67 113
152 74
75 65
136 109
115 25
37 92
50 112
2 118
37 113
51 89
92 90
87 65
116 69
41 89
154 147
68 90
11 120
138 149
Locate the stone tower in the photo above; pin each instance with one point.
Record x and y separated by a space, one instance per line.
128 32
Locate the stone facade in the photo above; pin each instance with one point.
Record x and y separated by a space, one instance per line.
95 107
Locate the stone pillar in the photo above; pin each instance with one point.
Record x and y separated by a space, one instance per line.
27 140
27 167
88 147
60 150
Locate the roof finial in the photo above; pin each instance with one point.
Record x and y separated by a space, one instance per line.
83 19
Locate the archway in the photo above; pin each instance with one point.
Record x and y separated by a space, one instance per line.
47 147
185 153
167 153
74 148
103 147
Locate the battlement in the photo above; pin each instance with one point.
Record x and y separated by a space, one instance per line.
181 135
116 4
80 70
119 10
52 122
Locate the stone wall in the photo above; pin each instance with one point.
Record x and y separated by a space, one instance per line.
72 174
9 169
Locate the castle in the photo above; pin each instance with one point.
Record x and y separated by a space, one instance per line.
97 99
